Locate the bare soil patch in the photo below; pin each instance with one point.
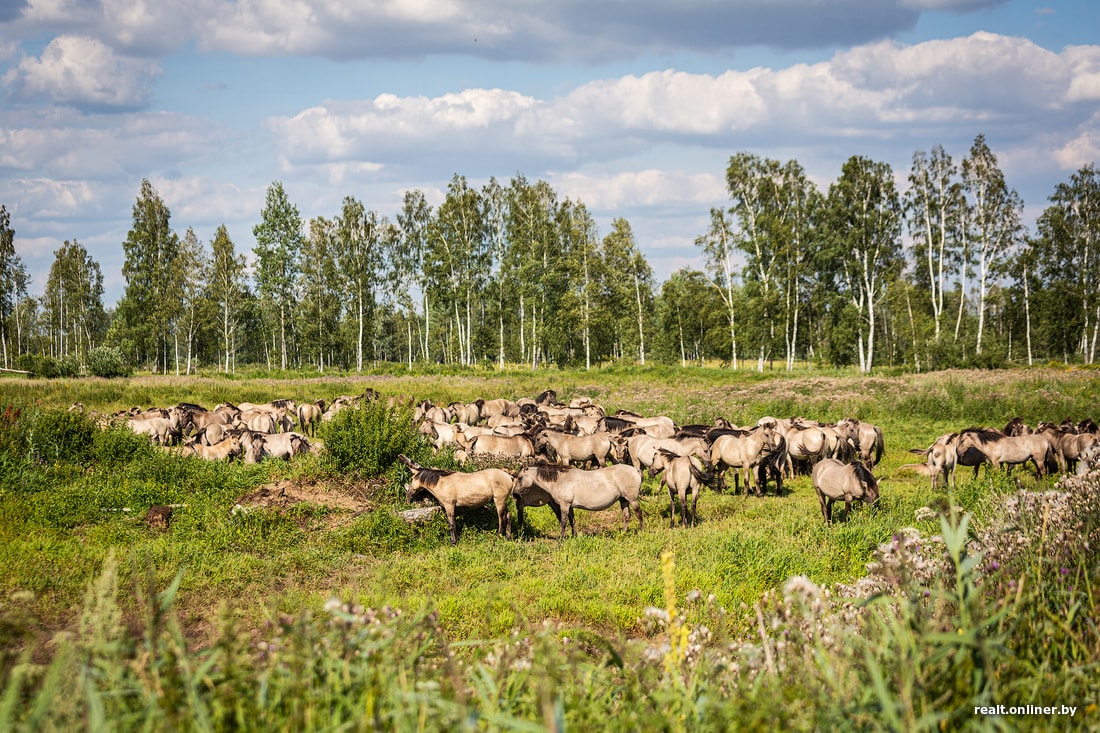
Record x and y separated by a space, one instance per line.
345 499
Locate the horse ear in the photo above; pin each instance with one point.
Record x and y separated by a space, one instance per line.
413 465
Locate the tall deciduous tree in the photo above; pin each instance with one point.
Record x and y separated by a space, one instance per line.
1071 254
458 260
408 261
193 270
73 302
13 287
227 290
719 249
321 288
359 235
533 253
995 220
278 247
149 304
934 204
631 285
865 224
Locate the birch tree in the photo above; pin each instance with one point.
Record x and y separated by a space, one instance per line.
995 220
934 205
719 250
359 235
278 247
13 288
1076 204
192 266
227 290
865 228
409 268
73 302
148 308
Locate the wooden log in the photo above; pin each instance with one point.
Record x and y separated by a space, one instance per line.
419 516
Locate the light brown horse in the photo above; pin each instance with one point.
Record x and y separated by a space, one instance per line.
571 488
593 450
1006 450
683 475
834 481
455 490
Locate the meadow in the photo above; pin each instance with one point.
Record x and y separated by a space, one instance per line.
315 606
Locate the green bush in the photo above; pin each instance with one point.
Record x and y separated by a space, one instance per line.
61 436
367 439
118 445
107 362
38 365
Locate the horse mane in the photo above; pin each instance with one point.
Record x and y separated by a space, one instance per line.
668 454
548 397
280 403
550 471
191 406
864 474
627 412
429 477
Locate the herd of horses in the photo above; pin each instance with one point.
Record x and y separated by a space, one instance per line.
577 456
247 431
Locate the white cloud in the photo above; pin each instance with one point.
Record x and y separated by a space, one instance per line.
83 72
984 81
650 188
567 30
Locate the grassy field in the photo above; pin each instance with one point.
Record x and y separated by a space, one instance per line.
332 537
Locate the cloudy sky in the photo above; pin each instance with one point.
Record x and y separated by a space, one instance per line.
632 106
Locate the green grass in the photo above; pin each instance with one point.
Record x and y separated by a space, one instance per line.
60 524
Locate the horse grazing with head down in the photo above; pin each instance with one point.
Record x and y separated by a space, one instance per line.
453 490
834 481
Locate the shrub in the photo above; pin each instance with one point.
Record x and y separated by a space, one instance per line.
61 436
38 365
368 438
118 445
107 362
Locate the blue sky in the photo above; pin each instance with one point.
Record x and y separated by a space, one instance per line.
633 107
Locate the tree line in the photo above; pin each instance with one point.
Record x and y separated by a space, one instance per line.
940 274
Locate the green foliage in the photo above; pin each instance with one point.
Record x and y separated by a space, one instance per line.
107 362
368 438
44 367
61 436
118 445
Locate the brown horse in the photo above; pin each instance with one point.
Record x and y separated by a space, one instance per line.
571 488
453 490
683 475
1006 450
835 481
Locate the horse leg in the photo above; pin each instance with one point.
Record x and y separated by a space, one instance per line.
565 513
451 524
637 507
847 507
625 505
671 505
572 522
683 507
826 508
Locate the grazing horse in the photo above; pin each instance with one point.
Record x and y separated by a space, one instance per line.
571 488
454 490
835 481
683 475
1000 449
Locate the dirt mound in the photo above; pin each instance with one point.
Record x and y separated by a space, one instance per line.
347 497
